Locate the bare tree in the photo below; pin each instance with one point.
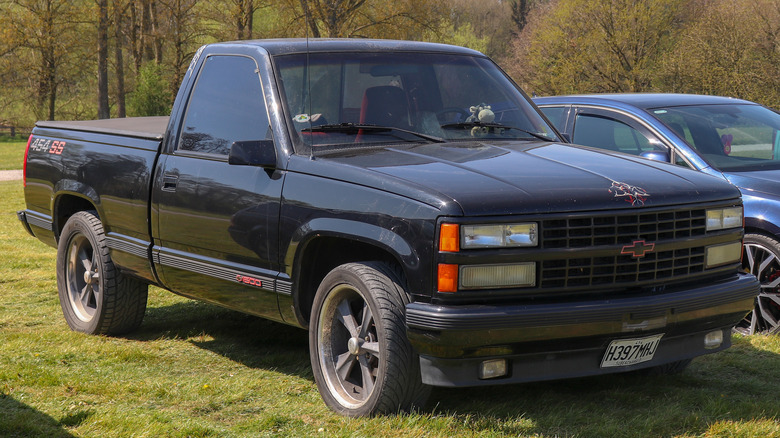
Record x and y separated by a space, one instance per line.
102 64
120 8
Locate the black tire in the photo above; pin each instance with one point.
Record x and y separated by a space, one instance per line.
761 257
95 297
362 360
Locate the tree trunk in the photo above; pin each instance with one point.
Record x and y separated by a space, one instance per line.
103 110
158 40
250 19
119 11
315 31
240 20
146 30
51 87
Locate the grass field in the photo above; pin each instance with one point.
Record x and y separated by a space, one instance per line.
12 155
195 370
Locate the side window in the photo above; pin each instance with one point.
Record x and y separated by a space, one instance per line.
226 105
608 133
557 115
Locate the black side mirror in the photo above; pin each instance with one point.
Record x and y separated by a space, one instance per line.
662 156
253 153
566 137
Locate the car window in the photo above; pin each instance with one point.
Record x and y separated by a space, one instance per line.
731 137
557 115
226 106
608 133
359 99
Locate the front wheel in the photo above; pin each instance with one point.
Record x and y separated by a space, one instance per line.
95 297
362 361
761 257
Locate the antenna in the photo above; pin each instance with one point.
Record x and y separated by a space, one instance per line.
307 69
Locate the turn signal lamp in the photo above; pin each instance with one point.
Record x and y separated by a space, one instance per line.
449 238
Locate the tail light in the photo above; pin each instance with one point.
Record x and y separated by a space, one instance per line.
24 167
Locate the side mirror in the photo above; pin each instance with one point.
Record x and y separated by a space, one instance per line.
253 153
656 155
566 137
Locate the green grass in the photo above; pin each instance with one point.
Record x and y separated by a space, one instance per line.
12 155
197 370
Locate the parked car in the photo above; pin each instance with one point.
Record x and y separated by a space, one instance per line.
733 139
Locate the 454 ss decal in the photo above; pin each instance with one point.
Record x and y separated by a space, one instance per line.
51 146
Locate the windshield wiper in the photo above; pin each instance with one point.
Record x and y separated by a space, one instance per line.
467 125
354 128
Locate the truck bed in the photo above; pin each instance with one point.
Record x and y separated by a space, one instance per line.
150 128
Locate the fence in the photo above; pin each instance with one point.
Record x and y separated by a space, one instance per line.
13 131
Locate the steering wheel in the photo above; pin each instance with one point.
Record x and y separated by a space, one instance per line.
442 113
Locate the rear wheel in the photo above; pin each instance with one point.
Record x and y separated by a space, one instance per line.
362 361
761 258
95 297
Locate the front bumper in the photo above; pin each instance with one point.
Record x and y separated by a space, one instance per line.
568 339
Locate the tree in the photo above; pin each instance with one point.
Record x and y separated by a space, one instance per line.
120 8
102 64
597 45
364 18
183 32
729 49
233 19
46 39
520 10
151 96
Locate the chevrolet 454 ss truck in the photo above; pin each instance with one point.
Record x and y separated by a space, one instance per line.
402 201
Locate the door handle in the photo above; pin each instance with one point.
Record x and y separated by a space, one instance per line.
169 182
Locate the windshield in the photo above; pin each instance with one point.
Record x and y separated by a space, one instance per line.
357 99
731 137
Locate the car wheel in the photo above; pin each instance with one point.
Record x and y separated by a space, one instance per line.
362 361
761 257
95 297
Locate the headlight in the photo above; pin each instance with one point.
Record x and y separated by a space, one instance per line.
499 236
724 218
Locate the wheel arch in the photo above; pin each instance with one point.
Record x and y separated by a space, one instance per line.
761 226
326 247
68 203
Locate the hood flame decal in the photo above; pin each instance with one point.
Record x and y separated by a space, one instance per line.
634 195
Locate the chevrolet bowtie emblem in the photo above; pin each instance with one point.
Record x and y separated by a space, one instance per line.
638 248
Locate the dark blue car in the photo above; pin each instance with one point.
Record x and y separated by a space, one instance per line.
729 138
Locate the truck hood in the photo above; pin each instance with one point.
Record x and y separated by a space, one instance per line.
521 177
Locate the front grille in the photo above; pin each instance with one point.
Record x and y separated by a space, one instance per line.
581 270
623 269
620 229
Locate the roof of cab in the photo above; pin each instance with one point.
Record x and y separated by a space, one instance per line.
320 45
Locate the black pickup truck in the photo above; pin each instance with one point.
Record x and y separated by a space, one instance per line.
403 201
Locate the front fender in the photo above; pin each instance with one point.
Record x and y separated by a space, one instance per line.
761 213
383 238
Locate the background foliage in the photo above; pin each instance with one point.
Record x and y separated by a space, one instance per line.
81 59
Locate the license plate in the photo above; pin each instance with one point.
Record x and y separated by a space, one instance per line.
630 351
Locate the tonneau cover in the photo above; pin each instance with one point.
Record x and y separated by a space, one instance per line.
152 128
